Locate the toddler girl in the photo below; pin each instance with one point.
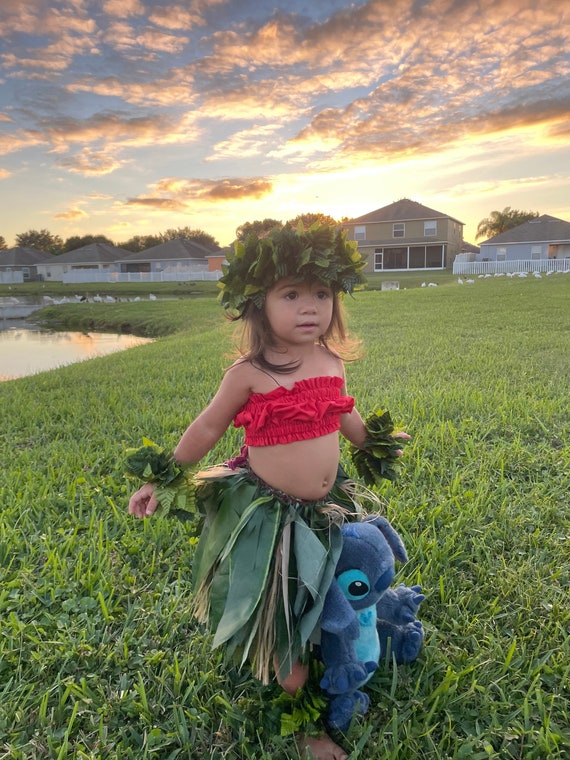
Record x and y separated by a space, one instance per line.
271 536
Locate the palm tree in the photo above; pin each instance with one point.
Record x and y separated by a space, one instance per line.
501 221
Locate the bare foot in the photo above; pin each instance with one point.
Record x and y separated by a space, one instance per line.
319 748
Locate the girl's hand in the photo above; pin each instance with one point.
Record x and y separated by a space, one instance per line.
143 502
404 437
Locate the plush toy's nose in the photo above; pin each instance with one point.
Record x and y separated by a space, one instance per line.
384 580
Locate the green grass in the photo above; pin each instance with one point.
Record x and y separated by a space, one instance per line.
99 656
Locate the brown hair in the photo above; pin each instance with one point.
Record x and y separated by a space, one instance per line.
256 337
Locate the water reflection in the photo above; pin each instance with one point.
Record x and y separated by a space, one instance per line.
26 350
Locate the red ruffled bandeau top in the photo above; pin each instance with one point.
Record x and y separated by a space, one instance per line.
308 410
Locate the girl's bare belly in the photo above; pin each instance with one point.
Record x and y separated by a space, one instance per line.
304 469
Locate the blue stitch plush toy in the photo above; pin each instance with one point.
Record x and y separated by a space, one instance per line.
362 616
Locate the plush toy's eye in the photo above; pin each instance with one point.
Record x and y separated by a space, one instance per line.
354 584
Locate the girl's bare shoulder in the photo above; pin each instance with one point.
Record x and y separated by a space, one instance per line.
329 361
242 373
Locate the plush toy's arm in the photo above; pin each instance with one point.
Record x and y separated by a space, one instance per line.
343 672
399 632
339 630
400 605
338 616
404 642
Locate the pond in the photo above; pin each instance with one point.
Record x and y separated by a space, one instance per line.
25 349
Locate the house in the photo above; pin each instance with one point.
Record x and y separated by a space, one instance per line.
93 259
545 237
20 264
406 235
179 256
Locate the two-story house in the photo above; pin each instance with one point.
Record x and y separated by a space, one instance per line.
406 235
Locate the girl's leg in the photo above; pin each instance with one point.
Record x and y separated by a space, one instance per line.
296 679
311 747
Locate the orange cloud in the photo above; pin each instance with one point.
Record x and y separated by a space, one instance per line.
177 194
73 213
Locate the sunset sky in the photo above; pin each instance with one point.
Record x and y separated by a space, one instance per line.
129 117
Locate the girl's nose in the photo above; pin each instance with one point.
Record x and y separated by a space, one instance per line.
308 304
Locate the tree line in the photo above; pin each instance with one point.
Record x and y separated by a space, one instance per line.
43 240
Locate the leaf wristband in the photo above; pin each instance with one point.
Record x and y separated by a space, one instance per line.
379 457
173 483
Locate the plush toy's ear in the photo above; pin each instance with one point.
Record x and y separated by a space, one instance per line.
392 537
338 616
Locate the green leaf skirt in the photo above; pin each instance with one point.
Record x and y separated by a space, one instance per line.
263 565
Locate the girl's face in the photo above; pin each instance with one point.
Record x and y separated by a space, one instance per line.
298 312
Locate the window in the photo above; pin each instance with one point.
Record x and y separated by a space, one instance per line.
430 228
395 258
501 253
378 259
435 256
536 251
360 232
418 257
398 229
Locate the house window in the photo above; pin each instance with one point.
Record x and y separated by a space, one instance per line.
378 259
435 256
398 230
535 252
396 258
417 257
430 228
501 254
360 233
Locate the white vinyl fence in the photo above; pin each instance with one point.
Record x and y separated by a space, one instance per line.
11 278
510 267
90 275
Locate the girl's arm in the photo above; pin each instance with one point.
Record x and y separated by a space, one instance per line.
351 425
210 425
202 434
352 428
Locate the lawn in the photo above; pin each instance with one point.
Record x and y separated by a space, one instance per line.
99 656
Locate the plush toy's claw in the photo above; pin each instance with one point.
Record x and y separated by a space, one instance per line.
343 707
413 636
346 677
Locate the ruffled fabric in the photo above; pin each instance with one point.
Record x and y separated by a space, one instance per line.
310 409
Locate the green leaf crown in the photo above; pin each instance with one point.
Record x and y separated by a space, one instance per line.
320 253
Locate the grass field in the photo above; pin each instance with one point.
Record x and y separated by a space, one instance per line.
99 657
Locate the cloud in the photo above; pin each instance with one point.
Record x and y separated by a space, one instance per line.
123 8
160 204
117 129
91 163
72 214
174 194
4 174
174 17
172 90
246 143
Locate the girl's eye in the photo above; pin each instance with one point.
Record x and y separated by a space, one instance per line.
291 295
323 295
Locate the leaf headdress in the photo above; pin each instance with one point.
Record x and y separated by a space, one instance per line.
320 253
